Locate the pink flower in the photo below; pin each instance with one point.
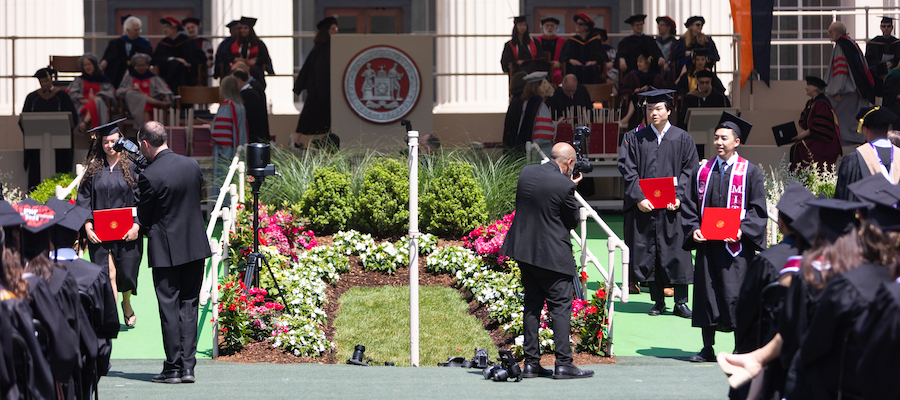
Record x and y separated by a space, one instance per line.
591 310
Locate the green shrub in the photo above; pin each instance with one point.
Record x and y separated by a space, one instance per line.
454 203
383 201
328 201
47 188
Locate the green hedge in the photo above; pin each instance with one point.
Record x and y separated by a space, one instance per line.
47 188
454 203
383 202
328 201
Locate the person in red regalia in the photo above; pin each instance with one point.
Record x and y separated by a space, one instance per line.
820 141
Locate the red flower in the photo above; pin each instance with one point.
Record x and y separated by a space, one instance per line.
600 334
584 276
71 201
231 307
591 310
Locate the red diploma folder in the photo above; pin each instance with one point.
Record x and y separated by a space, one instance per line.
660 191
113 224
720 223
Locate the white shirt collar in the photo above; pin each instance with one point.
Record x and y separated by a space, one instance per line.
659 135
729 162
64 254
247 86
882 142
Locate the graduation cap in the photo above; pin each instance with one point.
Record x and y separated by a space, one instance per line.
704 73
815 81
602 33
877 190
249 21
794 201
326 22
191 20
549 19
692 20
44 73
9 216
827 219
123 18
655 96
70 216
520 18
635 18
887 20
536 76
700 52
232 24
107 129
37 216
667 20
585 18
168 19
740 127
874 117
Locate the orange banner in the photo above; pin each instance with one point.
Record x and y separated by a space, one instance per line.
743 24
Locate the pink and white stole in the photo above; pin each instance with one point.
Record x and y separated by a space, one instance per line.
736 192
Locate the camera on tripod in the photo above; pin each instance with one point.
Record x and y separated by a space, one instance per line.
133 151
508 369
579 142
259 157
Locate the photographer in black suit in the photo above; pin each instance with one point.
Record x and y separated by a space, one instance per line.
169 211
539 241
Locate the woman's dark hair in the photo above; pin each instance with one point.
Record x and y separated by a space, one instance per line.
40 266
322 35
96 156
11 278
251 37
867 243
515 35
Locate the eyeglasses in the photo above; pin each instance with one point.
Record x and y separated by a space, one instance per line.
700 24
580 24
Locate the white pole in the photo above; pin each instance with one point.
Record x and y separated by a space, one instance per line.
413 247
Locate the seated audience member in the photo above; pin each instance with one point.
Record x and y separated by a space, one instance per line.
552 45
47 99
257 118
569 94
633 84
178 58
584 53
635 45
693 39
142 91
192 27
119 51
89 92
687 80
703 96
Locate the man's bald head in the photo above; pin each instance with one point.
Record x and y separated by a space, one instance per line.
562 153
570 84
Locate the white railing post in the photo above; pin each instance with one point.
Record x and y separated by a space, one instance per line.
413 247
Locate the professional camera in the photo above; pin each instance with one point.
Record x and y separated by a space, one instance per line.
259 158
508 369
358 356
132 150
579 142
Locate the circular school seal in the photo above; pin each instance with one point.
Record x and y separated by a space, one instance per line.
382 84
720 224
113 225
656 193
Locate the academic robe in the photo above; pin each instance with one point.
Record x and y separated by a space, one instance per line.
532 53
666 45
172 71
206 45
879 332
511 122
553 51
315 118
849 76
717 274
60 101
655 238
259 52
134 91
876 50
222 64
830 352
560 102
65 290
687 82
118 56
84 87
633 81
854 168
695 99
891 90
681 47
584 49
63 341
39 382
631 47
823 145
102 191
257 117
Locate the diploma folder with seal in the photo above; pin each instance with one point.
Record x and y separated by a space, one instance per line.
720 223
113 224
660 191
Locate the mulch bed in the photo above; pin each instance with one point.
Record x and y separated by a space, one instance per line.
260 352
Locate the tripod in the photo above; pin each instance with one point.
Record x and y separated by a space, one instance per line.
255 259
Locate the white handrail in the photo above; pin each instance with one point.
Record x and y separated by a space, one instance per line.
62 192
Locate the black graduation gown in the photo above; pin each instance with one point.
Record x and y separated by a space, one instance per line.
102 191
63 349
684 87
830 350
118 58
852 170
761 272
631 47
875 50
656 238
222 62
39 382
879 333
559 102
712 53
32 157
585 49
174 72
718 275
65 290
511 122
532 62
314 78
714 99
257 117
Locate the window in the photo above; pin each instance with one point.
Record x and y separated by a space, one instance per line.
795 61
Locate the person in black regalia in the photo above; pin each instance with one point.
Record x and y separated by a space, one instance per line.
874 156
315 118
110 181
117 57
633 84
584 54
552 45
514 111
705 95
638 44
523 52
694 39
47 99
178 58
881 53
728 181
569 94
222 64
655 236
879 334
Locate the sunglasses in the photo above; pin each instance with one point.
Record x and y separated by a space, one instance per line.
580 24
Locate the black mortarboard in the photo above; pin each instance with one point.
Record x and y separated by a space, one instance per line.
249 21
326 22
827 219
190 20
887 20
37 216
232 24
704 73
879 191
699 52
8 215
536 76
73 216
108 129
520 18
655 96
549 19
44 73
794 200
602 33
815 81
691 20
635 18
875 117
738 125
123 18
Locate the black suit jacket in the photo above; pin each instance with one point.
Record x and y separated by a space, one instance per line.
545 212
257 118
169 210
559 101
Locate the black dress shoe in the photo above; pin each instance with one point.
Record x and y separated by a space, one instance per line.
571 372
657 309
187 376
683 311
705 355
168 377
535 371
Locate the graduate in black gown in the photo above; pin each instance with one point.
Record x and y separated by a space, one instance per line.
315 118
177 57
879 334
47 99
880 51
638 44
874 156
117 57
222 64
720 266
655 236
523 52
584 54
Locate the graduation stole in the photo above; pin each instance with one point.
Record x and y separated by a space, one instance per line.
531 49
870 158
792 265
736 191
